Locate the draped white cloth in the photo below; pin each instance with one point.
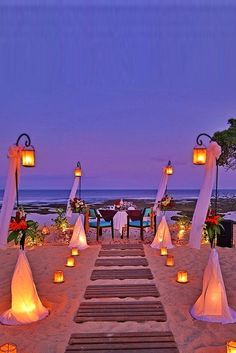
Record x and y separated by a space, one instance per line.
78 239
212 305
72 196
162 237
200 213
120 220
26 306
161 191
14 155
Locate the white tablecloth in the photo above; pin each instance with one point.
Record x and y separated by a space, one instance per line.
120 220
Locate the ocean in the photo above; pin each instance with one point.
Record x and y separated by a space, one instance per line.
98 196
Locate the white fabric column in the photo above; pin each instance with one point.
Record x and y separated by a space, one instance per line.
212 305
161 191
72 196
162 237
203 202
78 239
14 155
26 306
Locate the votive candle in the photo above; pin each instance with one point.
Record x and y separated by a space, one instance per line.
70 261
58 277
8 348
170 260
182 277
74 252
163 251
231 347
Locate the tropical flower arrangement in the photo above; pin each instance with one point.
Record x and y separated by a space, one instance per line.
21 230
166 203
78 205
212 226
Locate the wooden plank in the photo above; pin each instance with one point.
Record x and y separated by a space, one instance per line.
122 246
121 253
121 311
139 273
128 342
121 262
121 291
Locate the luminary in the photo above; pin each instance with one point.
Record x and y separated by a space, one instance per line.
163 251
45 230
74 252
169 169
199 155
182 277
170 260
58 277
70 261
8 348
231 347
28 157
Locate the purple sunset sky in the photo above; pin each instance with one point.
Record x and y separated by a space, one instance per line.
122 88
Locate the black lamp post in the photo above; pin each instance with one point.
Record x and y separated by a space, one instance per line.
199 158
27 158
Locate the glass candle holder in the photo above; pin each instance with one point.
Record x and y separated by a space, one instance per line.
170 260
74 252
163 251
182 277
70 261
58 277
231 347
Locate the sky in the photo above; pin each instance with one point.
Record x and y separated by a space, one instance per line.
122 87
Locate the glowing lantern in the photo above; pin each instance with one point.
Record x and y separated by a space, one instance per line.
8 348
78 170
28 157
163 251
74 252
231 347
45 230
169 169
58 277
70 261
182 277
170 260
199 155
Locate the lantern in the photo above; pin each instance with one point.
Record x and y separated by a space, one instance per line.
45 230
163 251
8 348
170 260
58 277
74 252
28 157
182 277
231 347
199 155
70 261
78 171
169 169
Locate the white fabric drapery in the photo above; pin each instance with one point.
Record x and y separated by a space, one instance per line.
72 196
212 305
162 237
26 306
200 212
161 191
14 155
78 239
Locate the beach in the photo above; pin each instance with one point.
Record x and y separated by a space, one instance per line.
51 335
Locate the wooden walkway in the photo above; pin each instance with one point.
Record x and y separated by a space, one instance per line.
140 342
126 255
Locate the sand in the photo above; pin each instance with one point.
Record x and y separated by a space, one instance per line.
52 334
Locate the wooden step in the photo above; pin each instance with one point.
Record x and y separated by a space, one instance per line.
121 311
137 273
128 342
121 291
118 253
122 246
121 262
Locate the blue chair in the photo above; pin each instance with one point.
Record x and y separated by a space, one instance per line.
135 219
104 221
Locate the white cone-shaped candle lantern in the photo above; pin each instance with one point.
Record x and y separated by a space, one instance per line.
78 239
26 306
162 237
212 305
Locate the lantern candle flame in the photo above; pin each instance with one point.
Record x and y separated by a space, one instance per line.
231 347
182 277
74 252
170 261
70 261
8 348
58 277
163 251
